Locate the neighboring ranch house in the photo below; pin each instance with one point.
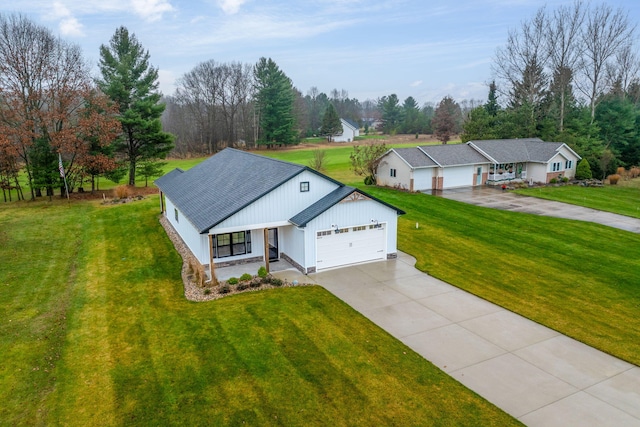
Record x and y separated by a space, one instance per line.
493 162
349 131
237 207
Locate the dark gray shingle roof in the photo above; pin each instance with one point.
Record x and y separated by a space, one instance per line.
212 191
415 157
301 219
518 150
453 155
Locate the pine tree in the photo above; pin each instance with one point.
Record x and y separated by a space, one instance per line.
583 170
130 81
274 99
447 119
331 124
492 105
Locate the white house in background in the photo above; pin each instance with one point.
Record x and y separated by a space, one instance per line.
238 207
494 162
349 131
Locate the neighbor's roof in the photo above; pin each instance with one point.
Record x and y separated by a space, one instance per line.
217 188
453 155
415 157
302 219
519 150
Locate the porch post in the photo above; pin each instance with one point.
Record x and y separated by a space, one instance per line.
266 249
211 266
161 202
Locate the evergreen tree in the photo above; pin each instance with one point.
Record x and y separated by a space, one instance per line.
130 81
447 119
411 115
583 170
391 113
331 124
274 99
492 107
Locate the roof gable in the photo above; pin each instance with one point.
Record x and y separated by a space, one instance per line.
301 219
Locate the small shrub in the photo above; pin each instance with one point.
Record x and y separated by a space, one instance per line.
621 171
553 181
199 275
224 289
266 279
256 283
242 286
634 172
207 291
613 179
232 281
246 277
565 179
276 282
122 191
583 170
262 272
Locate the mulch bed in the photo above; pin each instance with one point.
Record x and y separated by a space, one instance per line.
192 290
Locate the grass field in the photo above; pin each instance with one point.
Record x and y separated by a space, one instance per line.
623 199
96 331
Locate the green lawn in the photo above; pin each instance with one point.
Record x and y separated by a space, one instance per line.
96 331
623 199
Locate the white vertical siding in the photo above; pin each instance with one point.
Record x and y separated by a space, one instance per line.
196 242
282 203
350 214
292 243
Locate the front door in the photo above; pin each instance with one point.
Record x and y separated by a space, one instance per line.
273 244
479 176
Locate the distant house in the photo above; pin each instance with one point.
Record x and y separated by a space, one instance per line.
237 207
350 130
438 167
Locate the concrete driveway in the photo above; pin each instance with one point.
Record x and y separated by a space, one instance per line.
539 376
495 198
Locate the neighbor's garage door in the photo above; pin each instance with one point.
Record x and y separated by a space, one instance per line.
458 176
350 246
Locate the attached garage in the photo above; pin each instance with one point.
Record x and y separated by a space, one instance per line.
350 245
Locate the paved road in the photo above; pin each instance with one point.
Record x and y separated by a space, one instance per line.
537 375
495 198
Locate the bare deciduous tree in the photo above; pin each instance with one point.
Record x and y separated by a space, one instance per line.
605 33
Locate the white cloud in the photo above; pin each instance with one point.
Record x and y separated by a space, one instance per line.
151 10
69 25
230 7
416 83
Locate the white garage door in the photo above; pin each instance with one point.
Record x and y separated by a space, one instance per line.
458 176
350 246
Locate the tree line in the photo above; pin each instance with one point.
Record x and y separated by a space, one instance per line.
59 123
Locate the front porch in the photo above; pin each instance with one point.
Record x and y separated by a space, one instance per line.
237 270
507 172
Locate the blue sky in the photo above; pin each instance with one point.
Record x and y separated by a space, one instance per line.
421 48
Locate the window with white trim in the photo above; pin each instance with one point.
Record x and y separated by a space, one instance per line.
304 186
231 244
568 164
392 173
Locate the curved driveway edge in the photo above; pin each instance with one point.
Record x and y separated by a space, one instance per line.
495 198
537 375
